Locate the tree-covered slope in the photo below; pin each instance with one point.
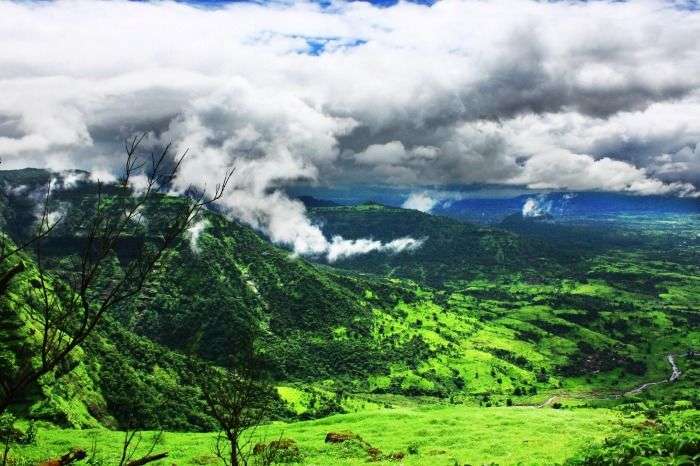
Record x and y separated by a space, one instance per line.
507 323
450 249
232 285
115 378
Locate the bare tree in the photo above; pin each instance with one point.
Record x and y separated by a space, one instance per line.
67 309
239 398
131 443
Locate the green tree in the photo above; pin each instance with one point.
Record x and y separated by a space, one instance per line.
240 398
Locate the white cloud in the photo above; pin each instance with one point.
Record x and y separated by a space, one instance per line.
569 95
537 206
67 179
340 248
420 201
195 231
17 190
581 172
403 244
427 200
532 208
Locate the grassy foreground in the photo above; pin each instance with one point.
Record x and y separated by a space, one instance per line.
437 436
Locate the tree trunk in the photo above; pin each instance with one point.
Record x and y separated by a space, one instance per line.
5 402
6 451
235 461
147 459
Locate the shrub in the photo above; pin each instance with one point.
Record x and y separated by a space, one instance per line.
675 440
205 459
284 450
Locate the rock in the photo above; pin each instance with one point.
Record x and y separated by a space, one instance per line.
375 454
396 456
340 437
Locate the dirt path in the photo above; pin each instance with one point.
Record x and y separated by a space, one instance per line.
548 402
675 375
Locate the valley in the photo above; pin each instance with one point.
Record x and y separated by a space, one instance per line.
524 342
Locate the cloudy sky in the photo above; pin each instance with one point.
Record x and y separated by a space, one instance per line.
567 95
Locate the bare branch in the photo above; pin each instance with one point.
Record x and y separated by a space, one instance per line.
67 315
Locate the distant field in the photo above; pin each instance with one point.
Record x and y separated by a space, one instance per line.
442 436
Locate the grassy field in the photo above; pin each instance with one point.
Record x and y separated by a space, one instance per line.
438 436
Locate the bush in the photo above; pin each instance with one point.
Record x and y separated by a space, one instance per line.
412 448
29 437
675 440
352 448
284 450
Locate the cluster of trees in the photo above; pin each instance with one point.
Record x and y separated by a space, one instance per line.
65 304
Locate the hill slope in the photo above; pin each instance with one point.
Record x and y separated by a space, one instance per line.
113 375
451 250
507 323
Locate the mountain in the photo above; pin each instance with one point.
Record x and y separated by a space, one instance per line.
311 202
476 315
451 250
114 374
593 205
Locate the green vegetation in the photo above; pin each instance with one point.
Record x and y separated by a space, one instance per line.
672 440
441 354
437 436
451 250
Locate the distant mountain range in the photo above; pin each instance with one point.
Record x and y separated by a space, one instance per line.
562 204
494 205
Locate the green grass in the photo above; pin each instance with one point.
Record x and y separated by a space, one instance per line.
442 436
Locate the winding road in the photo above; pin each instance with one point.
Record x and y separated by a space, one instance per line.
675 375
676 372
548 402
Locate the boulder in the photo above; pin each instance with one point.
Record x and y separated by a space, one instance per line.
340 437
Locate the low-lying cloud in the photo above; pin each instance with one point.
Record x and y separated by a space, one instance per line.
572 96
426 201
340 248
537 206
544 205
421 201
195 232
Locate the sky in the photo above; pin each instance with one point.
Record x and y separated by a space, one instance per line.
545 95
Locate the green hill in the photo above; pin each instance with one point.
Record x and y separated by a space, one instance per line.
476 316
451 250
113 374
